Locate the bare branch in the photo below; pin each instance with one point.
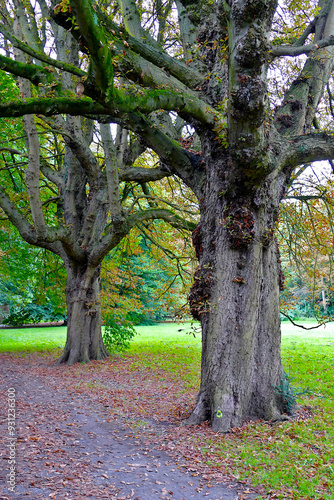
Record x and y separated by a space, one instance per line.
305 327
13 151
293 50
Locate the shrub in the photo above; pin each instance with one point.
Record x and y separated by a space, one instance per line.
32 313
117 336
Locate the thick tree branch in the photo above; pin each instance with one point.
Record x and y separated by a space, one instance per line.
112 172
247 86
40 55
52 106
145 63
49 240
175 159
93 223
308 30
36 74
307 149
53 176
292 50
97 45
141 174
18 220
301 100
161 213
25 23
132 20
32 176
73 137
152 201
147 74
303 197
153 54
187 31
124 102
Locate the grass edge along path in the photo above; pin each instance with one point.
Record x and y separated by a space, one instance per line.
293 460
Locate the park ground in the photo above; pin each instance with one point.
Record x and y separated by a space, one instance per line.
140 399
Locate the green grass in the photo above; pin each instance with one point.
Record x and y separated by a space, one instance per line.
163 346
32 339
295 458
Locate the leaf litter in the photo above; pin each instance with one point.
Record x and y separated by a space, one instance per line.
103 430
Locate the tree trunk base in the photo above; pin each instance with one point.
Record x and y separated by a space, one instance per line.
222 420
200 414
84 341
71 356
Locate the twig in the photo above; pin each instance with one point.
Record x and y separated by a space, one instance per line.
304 327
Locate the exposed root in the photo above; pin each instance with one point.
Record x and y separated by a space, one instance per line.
200 413
70 356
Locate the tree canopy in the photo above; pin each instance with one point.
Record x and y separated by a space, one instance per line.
305 235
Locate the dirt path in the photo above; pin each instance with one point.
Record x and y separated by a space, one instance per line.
67 447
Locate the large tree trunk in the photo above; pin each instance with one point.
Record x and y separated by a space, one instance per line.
84 337
236 297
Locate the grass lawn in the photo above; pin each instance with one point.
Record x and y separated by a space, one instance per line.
32 339
293 460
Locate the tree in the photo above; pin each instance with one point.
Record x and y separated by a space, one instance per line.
147 277
306 241
79 187
210 69
34 291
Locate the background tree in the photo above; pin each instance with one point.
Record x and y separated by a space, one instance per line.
147 277
73 203
306 241
212 72
34 292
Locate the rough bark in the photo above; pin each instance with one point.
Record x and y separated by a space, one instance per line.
84 337
236 297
